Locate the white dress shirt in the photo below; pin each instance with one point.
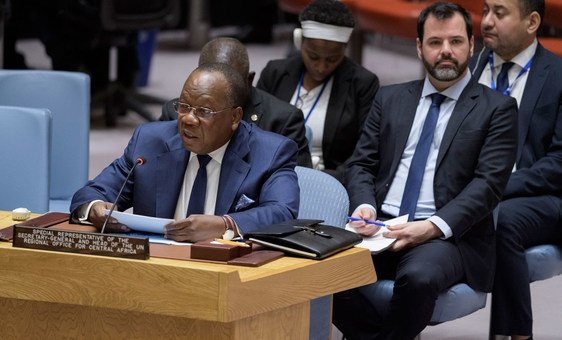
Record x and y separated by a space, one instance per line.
519 61
317 118
213 176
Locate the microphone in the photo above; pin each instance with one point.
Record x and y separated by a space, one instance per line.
138 161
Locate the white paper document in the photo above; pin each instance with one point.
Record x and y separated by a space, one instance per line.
157 238
140 222
377 242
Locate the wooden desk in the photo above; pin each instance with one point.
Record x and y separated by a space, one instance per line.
54 295
6 218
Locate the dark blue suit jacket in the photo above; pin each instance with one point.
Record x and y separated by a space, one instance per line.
474 162
539 152
256 163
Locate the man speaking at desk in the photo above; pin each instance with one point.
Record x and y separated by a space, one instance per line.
209 171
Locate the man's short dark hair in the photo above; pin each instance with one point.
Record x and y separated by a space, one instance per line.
330 12
237 90
527 7
228 51
442 11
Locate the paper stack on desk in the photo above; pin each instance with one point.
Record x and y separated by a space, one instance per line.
377 242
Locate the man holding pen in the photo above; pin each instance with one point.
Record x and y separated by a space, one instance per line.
440 150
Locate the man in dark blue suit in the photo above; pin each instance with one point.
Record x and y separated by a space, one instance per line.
250 178
468 151
531 208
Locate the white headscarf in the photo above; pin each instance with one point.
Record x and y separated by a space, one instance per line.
317 30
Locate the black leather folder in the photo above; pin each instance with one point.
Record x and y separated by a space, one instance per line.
305 238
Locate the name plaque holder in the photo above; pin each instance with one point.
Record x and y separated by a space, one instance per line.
81 242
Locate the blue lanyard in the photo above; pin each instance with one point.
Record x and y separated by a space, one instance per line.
317 98
507 91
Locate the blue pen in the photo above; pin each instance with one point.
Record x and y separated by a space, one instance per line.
380 224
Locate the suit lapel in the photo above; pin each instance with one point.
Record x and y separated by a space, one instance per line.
171 171
290 79
233 169
340 89
480 64
465 104
535 82
403 117
253 111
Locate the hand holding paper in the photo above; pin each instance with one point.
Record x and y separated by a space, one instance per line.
140 222
413 233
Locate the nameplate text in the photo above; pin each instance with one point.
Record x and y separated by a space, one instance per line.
81 242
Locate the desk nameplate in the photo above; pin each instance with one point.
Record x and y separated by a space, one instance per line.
81 242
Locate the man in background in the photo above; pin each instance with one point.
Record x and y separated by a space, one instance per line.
515 63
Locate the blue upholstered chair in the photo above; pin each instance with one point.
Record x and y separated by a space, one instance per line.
544 261
25 138
67 96
458 301
321 197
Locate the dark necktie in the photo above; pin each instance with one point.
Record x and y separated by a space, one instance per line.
199 189
417 167
503 80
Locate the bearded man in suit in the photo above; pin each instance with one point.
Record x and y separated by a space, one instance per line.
440 150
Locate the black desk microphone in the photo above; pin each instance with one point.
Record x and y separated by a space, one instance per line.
138 161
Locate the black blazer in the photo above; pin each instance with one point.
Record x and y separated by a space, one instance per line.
539 152
270 114
473 164
352 95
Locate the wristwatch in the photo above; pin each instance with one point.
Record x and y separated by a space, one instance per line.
229 231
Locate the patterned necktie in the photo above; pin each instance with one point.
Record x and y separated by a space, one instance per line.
199 189
503 80
417 167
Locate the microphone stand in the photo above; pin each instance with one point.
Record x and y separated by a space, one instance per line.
138 161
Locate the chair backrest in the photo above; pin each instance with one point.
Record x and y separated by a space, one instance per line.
322 197
25 138
67 96
136 15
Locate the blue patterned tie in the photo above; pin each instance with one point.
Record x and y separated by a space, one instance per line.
417 167
199 189
503 80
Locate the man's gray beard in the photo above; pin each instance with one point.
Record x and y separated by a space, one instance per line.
445 74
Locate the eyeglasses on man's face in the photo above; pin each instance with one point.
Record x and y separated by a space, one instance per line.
198 111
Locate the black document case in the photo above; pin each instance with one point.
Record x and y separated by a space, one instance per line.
306 238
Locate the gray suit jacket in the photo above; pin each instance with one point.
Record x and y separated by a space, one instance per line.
473 164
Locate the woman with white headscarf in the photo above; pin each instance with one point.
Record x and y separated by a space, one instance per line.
334 93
